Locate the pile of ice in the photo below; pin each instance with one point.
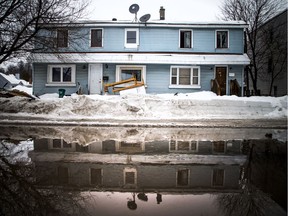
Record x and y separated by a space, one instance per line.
202 105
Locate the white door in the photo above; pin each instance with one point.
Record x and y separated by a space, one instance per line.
95 75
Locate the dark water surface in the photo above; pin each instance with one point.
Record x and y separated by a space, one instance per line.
142 171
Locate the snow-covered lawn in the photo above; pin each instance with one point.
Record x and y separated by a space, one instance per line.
192 106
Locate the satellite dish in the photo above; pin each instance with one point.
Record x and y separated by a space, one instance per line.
145 18
134 8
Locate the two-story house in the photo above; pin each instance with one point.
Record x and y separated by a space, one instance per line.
168 56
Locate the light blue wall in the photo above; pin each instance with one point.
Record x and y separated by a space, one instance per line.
40 80
154 39
157 78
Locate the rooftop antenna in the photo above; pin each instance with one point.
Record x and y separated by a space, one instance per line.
145 18
134 8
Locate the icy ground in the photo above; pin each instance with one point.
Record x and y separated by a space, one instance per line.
144 107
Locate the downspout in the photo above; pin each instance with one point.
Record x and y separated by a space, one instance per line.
242 82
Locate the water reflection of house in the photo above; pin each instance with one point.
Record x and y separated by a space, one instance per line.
148 177
174 145
172 165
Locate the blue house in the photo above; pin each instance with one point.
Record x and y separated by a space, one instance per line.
168 56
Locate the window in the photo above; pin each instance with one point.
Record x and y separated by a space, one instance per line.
130 176
218 147
61 75
95 176
270 65
131 38
185 77
183 177
96 37
185 38
63 175
222 39
183 146
129 147
128 71
62 38
59 144
218 177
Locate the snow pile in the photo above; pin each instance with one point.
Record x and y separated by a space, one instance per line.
26 89
202 105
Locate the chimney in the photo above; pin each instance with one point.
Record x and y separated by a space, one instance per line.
162 13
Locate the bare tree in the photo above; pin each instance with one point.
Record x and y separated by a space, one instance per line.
22 20
255 13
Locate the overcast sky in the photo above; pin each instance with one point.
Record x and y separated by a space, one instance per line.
177 10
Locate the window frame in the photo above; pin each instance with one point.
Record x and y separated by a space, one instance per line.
57 38
61 83
191 38
177 85
102 37
119 68
131 45
216 37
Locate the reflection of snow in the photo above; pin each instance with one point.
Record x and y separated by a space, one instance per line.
16 152
192 106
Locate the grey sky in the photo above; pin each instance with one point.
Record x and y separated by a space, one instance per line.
178 10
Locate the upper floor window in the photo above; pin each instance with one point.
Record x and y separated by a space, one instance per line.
61 74
131 38
222 39
96 37
183 77
62 38
185 38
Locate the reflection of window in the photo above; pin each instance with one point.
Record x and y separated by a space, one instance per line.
218 146
95 176
130 147
62 38
57 143
185 38
130 176
63 175
222 39
183 177
218 177
61 74
185 76
128 71
96 37
60 143
131 38
183 146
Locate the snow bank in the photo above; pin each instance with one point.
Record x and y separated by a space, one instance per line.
202 105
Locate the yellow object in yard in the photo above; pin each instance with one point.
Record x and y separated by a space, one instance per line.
114 84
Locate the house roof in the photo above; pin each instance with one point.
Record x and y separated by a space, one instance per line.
141 58
10 78
153 23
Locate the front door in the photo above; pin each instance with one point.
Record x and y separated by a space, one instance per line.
95 78
221 77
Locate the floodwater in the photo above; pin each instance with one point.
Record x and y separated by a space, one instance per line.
142 171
